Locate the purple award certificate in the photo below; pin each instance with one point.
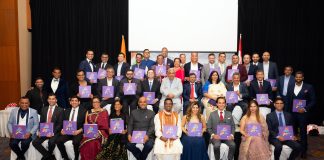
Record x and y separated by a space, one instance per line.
231 72
194 129
119 77
108 91
231 97
90 130
250 78
138 136
92 76
224 131
286 132
160 70
254 129
217 69
263 99
46 129
116 125
85 91
18 131
102 73
129 88
272 82
197 73
150 97
139 73
298 103
169 131
69 127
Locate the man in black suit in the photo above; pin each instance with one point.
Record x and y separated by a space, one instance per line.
37 95
59 87
121 67
193 65
269 68
250 68
77 114
108 81
153 85
104 62
192 92
167 61
256 60
285 86
87 65
275 120
50 114
130 101
302 91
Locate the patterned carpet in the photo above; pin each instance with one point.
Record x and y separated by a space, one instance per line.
315 151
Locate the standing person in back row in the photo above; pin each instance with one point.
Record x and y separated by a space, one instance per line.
269 68
88 65
193 65
38 95
167 61
121 67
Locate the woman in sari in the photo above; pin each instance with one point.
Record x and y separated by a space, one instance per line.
212 89
194 147
90 147
179 71
115 148
254 147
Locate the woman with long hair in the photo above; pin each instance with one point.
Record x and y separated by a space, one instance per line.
212 89
254 147
194 147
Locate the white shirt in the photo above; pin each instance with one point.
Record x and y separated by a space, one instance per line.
234 66
109 82
266 70
53 107
54 84
91 65
75 118
194 66
222 67
211 65
22 121
298 88
256 63
120 64
237 88
104 64
285 87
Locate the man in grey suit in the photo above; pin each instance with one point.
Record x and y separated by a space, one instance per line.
222 65
27 117
207 68
221 117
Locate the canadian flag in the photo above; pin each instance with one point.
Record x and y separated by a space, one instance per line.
239 53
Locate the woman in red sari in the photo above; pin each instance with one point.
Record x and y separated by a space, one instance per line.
90 147
179 71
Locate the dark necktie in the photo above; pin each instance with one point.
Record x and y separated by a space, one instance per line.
280 120
72 119
103 66
260 86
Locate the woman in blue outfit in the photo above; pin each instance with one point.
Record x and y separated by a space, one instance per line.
194 147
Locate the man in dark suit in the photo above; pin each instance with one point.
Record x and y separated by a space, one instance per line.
37 95
121 67
104 62
108 81
256 60
50 114
302 91
59 87
250 68
167 61
242 92
269 68
192 92
77 114
139 64
87 65
221 117
277 119
130 101
285 86
152 85
236 65
193 65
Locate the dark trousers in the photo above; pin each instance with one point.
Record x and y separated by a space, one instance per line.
129 102
156 107
286 102
37 143
20 151
138 154
295 146
229 143
301 123
242 104
76 140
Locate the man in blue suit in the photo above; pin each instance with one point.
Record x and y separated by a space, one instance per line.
59 87
285 86
302 91
121 67
146 61
27 117
190 95
277 119
87 65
